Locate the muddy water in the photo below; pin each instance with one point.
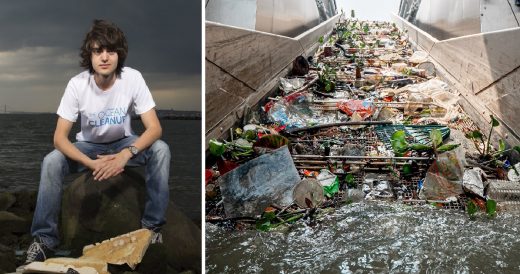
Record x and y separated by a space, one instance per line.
373 238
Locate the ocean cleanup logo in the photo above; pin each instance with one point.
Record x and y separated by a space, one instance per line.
111 116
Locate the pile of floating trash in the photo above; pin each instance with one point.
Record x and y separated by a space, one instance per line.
365 118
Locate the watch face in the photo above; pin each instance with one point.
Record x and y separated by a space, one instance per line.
133 150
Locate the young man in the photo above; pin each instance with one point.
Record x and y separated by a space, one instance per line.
105 95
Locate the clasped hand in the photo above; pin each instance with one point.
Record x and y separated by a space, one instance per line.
107 166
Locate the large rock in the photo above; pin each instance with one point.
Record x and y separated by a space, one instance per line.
10 223
7 199
93 211
26 200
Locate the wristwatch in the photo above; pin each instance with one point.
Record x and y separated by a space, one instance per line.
133 150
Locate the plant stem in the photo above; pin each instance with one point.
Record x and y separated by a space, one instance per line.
294 218
489 139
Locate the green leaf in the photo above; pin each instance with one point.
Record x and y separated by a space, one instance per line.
501 146
366 29
494 122
471 208
328 87
407 169
517 148
349 179
491 207
474 135
447 147
420 147
436 137
320 40
398 141
269 215
263 225
216 148
249 135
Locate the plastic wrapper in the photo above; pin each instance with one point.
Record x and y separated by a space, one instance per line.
364 108
472 181
377 186
329 181
292 112
399 67
436 91
512 174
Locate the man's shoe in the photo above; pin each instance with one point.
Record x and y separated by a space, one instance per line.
517 2
37 252
156 238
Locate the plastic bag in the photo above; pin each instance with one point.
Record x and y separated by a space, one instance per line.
364 108
293 111
444 177
291 84
418 57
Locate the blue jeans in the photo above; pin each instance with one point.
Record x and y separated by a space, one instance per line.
56 166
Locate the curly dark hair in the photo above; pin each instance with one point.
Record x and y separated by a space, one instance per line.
107 36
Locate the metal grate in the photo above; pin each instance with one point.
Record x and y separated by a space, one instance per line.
420 133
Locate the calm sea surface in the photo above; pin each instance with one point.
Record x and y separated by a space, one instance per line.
26 138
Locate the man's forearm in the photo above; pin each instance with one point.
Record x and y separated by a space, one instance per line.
71 151
152 133
149 136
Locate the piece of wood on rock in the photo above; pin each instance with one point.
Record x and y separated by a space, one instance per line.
64 265
125 249
129 248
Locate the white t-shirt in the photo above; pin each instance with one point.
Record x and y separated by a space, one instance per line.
105 115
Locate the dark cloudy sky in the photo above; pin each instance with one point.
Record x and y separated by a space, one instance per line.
40 41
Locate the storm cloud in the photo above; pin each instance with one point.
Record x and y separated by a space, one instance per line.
40 41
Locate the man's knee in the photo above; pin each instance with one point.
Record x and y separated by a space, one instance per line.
54 159
160 149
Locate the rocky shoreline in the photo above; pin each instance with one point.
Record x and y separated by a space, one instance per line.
16 211
118 211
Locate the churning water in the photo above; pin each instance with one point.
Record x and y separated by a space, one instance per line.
374 237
